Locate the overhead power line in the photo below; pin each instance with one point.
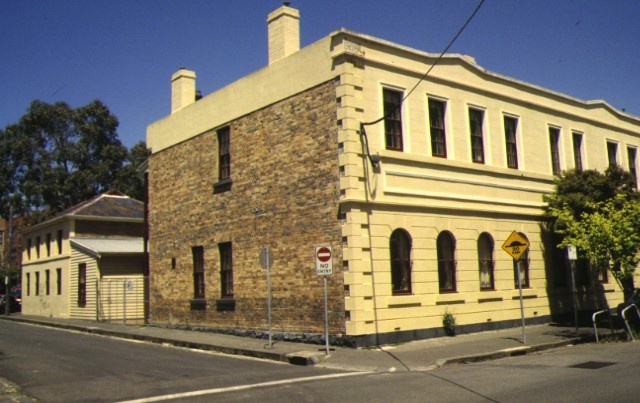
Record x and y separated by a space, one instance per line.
475 11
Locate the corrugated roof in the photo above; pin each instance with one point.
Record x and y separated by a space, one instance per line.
99 246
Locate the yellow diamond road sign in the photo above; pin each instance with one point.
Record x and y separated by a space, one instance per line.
516 245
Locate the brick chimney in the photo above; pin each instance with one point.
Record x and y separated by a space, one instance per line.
183 89
284 32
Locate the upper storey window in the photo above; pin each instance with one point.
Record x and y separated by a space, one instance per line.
612 153
436 124
554 139
577 151
476 118
392 119
510 129
224 153
631 157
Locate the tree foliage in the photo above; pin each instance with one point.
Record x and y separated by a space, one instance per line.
130 181
56 156
600 215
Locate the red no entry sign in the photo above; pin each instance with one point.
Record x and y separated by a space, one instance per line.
324 254
324 263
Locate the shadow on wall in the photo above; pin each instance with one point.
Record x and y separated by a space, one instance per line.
590 296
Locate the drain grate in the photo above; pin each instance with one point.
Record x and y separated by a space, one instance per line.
592 365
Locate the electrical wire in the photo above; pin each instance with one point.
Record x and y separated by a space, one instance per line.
431 68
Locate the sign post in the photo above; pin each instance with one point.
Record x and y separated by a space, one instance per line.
516 246
324 268
572 253
266 261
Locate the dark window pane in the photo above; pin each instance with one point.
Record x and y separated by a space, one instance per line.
485 261
198 271
446 262
400 250
554 138
476 118
523 264
510 127
224 153
577 151
392 119
436 123
612 153
226 269
82 284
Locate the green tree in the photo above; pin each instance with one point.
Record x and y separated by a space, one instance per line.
600 215
56 156
130 179
582 190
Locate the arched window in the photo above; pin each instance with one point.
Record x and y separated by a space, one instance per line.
400 248
485 261
446 245
523 263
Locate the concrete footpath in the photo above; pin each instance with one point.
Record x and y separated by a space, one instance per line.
412 356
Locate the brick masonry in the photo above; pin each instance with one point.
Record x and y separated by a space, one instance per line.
284 193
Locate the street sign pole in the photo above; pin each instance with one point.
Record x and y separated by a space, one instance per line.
516 245
575 294
573 256
324 268
268 295
326 318
518 263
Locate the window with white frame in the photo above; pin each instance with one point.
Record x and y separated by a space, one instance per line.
437 110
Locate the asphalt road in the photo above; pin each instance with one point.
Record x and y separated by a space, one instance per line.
53 365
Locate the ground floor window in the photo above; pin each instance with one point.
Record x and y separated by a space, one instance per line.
523 265
59 281
198 272
485 261
446 246
82 284
400 249
226 269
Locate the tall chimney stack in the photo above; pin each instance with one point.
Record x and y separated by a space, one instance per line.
284 32
183 89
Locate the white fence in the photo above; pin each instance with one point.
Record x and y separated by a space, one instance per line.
122 299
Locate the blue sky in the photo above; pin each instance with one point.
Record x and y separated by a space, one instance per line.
123 52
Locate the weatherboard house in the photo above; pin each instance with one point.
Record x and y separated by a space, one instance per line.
87 262
415 183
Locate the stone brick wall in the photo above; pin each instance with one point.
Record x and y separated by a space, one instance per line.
285 190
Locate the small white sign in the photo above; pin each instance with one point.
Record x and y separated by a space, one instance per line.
324 260
572 252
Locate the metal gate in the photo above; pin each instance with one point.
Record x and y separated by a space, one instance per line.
122 299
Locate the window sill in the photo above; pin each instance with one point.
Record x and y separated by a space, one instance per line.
225 304
526 293
223 185
198 304
449 297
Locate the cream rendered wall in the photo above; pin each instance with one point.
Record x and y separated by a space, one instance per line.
89 310
52 305
426 195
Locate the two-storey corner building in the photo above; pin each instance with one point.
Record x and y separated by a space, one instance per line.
87 262
415 182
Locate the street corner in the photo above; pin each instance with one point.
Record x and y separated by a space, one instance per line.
305 358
